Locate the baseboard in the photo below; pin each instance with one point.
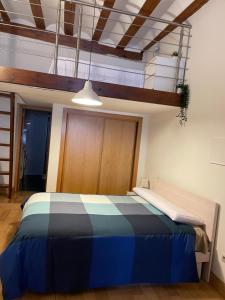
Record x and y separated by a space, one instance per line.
218 284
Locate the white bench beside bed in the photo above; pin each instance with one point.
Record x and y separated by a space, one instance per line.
203 208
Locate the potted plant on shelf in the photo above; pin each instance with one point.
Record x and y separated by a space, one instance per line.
184 91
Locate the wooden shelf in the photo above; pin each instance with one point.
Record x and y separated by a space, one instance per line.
4 129
5 112
5 186
9 144
5 94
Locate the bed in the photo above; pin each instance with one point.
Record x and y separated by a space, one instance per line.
70 242
206 209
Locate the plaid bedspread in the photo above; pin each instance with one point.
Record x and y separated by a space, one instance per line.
69 242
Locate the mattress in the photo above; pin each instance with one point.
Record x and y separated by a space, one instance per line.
69 242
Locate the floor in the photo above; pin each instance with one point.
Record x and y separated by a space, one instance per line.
10 213
18 197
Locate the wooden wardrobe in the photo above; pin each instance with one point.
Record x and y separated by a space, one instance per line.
99 153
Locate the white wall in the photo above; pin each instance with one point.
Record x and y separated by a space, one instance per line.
35 55
56 127
182 154
54 150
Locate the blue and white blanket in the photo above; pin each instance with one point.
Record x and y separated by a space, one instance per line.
69 242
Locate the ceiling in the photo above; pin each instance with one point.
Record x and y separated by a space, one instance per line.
116 26
45 98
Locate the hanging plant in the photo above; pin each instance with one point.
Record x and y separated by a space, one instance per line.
185 97
175 54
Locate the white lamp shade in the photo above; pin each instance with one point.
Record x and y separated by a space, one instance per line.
87 96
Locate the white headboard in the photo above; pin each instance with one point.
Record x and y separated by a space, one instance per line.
201 207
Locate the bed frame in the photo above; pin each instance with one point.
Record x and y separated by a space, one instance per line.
206 209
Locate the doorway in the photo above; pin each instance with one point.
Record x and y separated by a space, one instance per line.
34 150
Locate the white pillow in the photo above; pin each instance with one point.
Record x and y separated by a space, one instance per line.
173 211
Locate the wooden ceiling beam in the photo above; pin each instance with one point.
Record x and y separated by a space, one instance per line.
4 14
37 13
182 17
69 17
65 40
104 15
146 10
70 84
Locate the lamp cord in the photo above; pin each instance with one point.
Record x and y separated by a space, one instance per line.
93 24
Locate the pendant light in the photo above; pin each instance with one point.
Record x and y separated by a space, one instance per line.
87 95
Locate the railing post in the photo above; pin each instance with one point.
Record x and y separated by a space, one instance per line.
187 52
179 57
78 42
57 38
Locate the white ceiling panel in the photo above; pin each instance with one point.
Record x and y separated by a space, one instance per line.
116 26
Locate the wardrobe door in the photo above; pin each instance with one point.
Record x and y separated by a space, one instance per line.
117 157
82 154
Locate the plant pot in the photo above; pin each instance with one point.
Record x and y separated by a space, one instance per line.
179 90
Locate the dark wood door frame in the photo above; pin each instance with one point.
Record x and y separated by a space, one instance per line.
138 120
20 121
